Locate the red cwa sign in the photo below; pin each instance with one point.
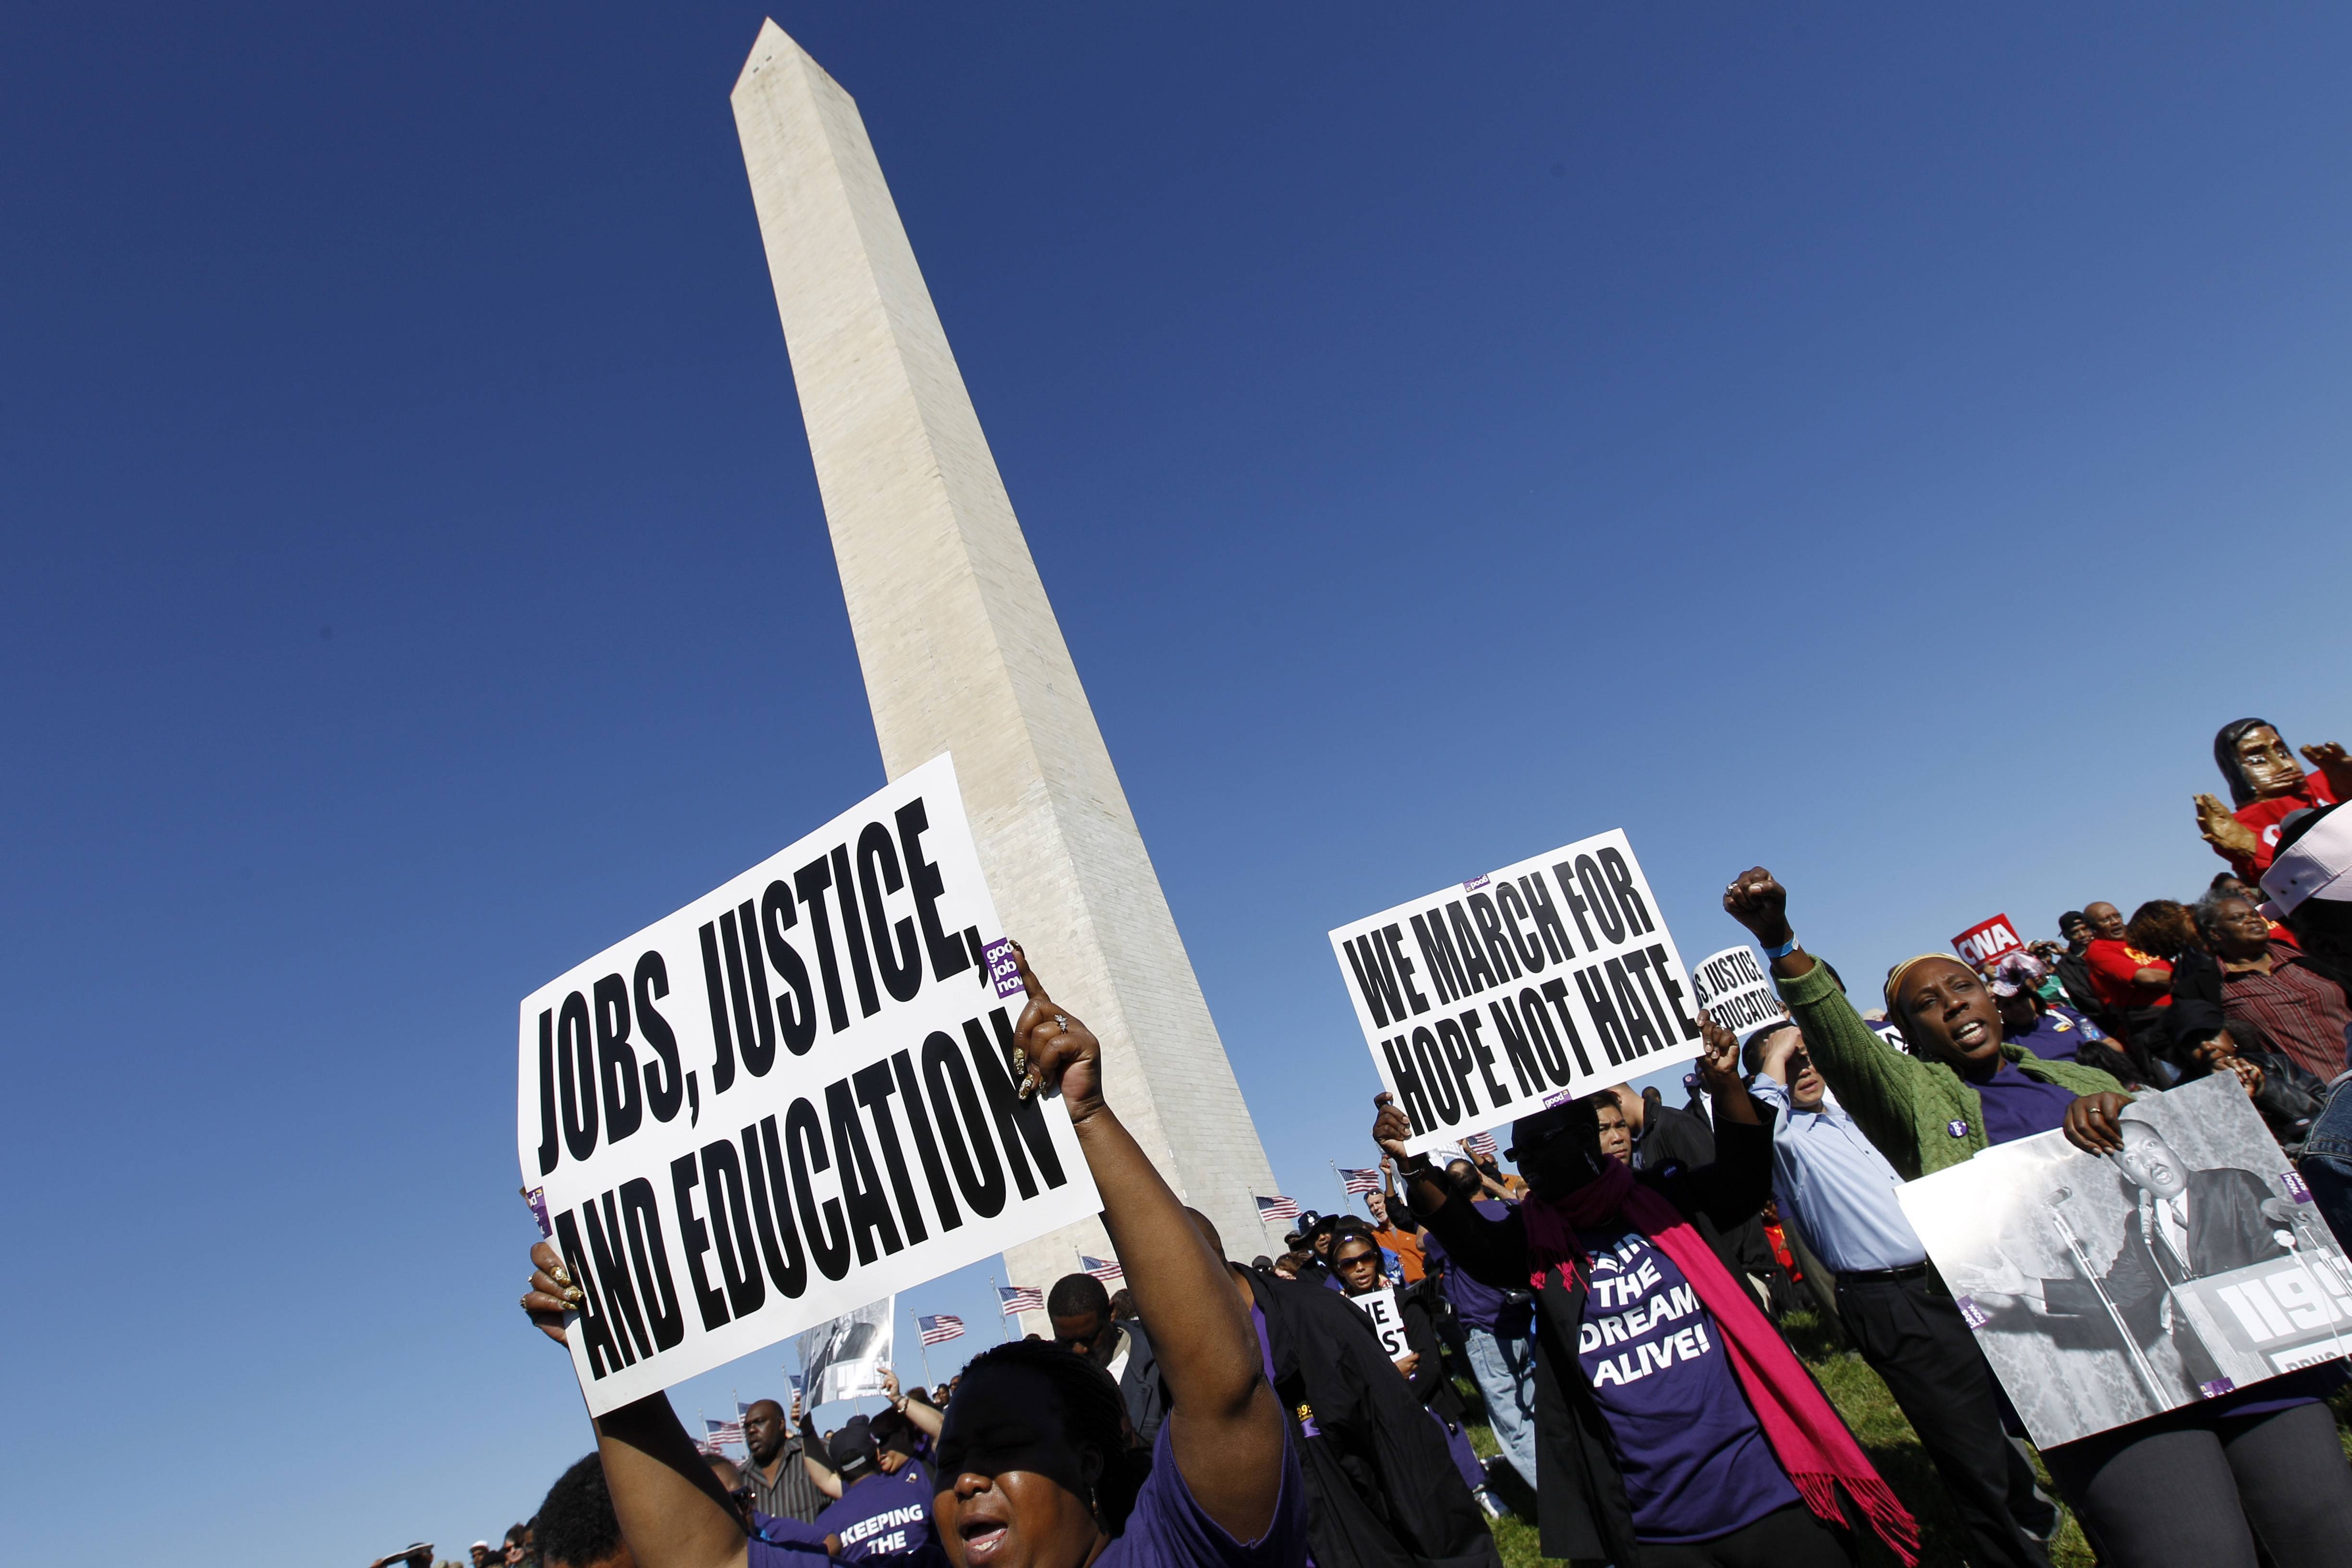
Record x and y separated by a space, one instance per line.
1987 941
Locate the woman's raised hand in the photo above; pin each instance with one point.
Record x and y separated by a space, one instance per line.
1055 1052
551 1293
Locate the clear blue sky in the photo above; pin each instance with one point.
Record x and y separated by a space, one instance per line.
1880 445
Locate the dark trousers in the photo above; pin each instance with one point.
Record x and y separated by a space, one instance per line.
2192 1491
1785 1538
1913 1337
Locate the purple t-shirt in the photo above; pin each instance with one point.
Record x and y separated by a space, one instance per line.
2056 1035
885 1519
1168 1530
1477 1305
2016 1106
1696 1463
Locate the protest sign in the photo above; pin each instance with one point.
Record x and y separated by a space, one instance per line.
1732 987
1388 1320
844 1359
1988 939
834 1011
1563 957
2104 1290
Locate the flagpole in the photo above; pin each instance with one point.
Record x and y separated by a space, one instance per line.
926 1354
1344 1194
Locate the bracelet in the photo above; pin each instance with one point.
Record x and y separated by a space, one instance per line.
1785 949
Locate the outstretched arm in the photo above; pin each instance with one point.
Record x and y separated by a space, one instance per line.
1877 1086
671 1511
1225 1425
918 1412
1491 1251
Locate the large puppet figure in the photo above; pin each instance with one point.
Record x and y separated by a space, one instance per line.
2266 784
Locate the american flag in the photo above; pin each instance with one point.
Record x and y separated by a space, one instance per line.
1481 1146
940 1330
1020 1299
1275 1208
1360 1181
1105 1269
718 1433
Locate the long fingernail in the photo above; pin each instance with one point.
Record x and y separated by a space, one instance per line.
560 1274
574 1294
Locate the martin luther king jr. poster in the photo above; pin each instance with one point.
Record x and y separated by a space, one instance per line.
2104 1289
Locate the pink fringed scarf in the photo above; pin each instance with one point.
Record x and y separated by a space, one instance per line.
1807 1435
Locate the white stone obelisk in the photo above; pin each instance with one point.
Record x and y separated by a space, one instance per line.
961 653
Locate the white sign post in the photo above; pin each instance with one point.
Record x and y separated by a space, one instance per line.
1487 1001
788 1100
844 1359
1388 1320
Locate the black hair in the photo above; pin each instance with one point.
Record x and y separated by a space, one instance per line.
1751 1055
1075 1293
1094 1414
2225 757
576 1524
515 1533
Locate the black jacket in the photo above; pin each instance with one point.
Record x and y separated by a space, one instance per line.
1672 1137
1382 1490
1140 1383
1432 1384
1582 1507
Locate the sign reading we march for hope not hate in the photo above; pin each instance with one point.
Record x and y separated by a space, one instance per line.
1492 998
788 1100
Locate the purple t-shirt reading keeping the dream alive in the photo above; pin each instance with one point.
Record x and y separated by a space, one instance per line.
884 1516
1166 1528
1696 1463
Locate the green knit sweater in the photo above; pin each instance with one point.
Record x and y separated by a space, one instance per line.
1922 1115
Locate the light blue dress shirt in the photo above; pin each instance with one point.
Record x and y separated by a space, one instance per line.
1837 1190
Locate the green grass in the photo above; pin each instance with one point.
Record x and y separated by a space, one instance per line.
1886 1435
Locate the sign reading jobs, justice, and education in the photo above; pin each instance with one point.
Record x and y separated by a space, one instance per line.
1488 1000
788 1100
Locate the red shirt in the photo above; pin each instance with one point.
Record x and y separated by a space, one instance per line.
2112 964
2263 817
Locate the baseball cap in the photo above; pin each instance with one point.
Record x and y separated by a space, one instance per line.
853 1448
2018 974
2314 861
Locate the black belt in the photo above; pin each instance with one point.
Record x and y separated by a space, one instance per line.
1872 1276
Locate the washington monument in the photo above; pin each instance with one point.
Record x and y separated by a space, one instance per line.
961 650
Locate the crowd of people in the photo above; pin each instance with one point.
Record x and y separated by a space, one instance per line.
1613 1302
